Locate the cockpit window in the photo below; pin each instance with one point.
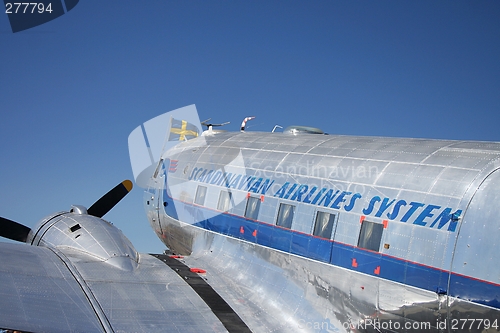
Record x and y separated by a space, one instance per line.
158 167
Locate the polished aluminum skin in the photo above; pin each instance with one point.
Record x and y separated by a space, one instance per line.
437 201
94 237
81 274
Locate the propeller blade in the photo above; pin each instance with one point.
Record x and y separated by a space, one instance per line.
110 199
13 230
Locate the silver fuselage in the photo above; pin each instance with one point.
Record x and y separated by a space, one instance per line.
343 233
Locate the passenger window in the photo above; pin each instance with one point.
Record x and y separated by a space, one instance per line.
370 235
285 216
252 209
323 225
224 201
201 192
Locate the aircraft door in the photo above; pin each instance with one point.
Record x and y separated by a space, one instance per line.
152 206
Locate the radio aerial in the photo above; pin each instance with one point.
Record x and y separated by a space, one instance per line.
209 125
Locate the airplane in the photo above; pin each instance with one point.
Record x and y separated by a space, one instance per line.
297 231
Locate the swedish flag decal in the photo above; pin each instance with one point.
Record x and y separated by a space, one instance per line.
181 130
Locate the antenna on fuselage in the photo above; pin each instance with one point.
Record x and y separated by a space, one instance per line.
275 127
244 123
209 126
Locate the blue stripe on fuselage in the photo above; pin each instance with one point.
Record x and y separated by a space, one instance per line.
342 255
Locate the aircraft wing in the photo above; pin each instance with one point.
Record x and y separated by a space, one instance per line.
76 272
44 289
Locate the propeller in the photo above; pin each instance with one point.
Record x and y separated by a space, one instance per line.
18 232
110 199
13 230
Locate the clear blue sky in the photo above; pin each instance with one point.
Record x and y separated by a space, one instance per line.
73 89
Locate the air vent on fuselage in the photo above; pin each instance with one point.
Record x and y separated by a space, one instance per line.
75 228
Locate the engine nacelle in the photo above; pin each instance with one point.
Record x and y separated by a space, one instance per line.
87 234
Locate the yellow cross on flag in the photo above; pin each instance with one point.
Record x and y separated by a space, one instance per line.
181 130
